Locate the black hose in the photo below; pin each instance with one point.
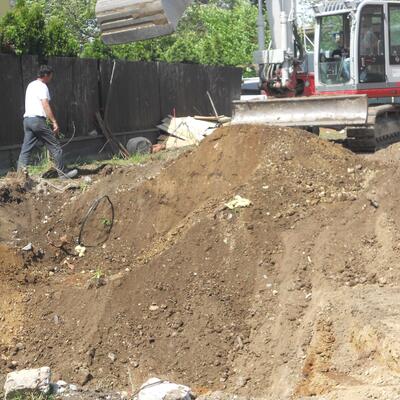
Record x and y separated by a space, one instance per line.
91 210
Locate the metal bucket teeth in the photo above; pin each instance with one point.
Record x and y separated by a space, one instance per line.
124 21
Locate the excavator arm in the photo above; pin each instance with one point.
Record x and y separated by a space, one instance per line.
125 21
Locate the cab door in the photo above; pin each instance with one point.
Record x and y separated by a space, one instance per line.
393 59
371 46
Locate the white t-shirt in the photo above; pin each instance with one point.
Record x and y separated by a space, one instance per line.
35 92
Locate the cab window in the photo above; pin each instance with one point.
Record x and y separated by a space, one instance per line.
394 33
334 52
372 45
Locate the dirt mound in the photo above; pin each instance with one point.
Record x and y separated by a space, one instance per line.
276 299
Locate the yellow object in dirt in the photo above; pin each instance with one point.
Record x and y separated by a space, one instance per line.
81 250
238 202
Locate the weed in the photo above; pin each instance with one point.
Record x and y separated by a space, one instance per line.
132 160
98 274
106 222
32 396
83 186
42 164
97 279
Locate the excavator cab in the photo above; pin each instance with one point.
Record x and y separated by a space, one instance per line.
125 21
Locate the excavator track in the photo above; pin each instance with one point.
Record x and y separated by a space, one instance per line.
381 130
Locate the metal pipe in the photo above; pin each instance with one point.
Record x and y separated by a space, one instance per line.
284 30
261 27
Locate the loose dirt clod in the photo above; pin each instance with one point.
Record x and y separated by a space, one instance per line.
281 299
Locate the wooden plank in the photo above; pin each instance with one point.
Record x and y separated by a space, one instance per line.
114 143
11 101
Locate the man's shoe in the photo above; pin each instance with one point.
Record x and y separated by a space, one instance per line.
69 175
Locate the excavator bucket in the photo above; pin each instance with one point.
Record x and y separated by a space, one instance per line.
303 111
124 21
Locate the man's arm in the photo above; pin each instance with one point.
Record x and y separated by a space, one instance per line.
50 115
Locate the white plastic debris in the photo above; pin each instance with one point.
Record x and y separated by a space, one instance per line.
28 380
156 389
28 247
238 202
81 250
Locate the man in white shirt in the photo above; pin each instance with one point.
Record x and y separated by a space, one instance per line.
37 110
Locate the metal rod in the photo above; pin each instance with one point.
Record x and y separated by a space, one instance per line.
212 104
261 27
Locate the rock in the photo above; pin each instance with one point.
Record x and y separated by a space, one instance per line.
28 247
156 389
84 376
19 346
112 357
73 388
374 203
241 381
26 381
382 281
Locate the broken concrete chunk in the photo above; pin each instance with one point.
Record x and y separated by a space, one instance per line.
28 247
27 381
156 389
238 202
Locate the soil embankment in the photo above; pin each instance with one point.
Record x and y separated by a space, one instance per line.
294 296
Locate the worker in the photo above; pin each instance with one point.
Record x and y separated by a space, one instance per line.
342 53
36 130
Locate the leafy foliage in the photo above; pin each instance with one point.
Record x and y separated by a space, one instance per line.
21 31
219 32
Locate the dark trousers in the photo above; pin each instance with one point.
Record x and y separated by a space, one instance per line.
36 130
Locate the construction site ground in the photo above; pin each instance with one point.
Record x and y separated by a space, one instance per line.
296 296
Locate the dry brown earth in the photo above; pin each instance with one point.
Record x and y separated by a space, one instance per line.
296 296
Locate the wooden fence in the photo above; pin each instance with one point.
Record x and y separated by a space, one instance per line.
140 95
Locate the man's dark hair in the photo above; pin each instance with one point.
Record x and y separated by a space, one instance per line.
44 70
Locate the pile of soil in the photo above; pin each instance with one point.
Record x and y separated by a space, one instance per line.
293 296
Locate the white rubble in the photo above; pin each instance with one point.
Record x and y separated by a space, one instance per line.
185 131
28 380
157 389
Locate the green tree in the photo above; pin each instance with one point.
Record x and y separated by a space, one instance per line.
22 30
59 40
217 32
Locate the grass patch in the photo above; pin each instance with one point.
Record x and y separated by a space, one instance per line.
32 396
41 164
132 160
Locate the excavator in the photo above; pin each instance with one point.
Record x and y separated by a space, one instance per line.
350 83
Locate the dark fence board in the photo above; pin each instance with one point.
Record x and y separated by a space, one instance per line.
75 94
183 88
133 101
11 100
30 66
224 86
